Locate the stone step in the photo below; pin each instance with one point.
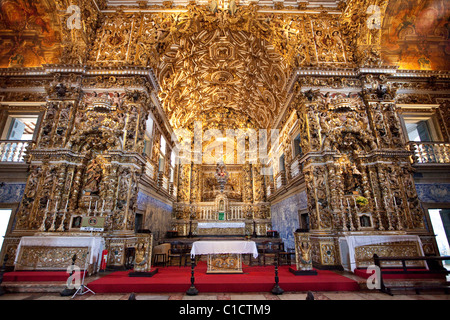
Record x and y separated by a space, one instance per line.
18 287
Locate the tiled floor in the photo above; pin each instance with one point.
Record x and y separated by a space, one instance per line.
329 295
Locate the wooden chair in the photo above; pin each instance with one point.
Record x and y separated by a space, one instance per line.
177 250
260 248
285 256
160 254
187 253
271 249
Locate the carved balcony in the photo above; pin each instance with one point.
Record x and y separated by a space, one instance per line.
13 151
430 152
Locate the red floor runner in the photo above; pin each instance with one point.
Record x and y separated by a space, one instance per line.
363 273
23 276
254 279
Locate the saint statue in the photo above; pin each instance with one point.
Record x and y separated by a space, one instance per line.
221 175
94 173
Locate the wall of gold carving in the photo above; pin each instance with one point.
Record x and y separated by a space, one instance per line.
87 160
344 132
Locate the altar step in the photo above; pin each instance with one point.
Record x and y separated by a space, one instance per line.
39 281
254 279
33 287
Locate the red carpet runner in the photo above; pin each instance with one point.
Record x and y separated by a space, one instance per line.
254 279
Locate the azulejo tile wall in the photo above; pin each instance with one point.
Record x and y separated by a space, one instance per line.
157 214
285 216
11 192
436 192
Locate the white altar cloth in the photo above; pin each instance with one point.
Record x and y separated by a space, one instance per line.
95 244
223 247
206 225
358 241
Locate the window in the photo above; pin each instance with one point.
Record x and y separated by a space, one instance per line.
161 163
20 127
440 220
148 136
282 167
296 146
172 165
418 131
5 214
147 146
421 128
172 158
163 145
149 126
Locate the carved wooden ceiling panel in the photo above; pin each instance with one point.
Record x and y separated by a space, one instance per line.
225 72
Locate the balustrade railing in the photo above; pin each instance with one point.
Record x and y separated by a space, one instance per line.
280 179
209 212
149 169
295 167
13 150
430 152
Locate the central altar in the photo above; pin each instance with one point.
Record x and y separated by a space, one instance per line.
224 256
221 228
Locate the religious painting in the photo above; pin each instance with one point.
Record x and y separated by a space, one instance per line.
415 34
29 34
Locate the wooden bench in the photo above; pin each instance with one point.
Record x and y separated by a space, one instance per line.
407 270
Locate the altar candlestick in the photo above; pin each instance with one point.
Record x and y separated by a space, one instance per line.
46 208
103 206
96 206
56 206
89 205
67 203
376 203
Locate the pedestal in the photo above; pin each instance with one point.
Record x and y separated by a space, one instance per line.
303 257
303 272
148 274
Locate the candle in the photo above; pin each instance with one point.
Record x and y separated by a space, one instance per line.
67 202
96 205
376 203
89 205
46 208
103 206
354 200
395 202
56 205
